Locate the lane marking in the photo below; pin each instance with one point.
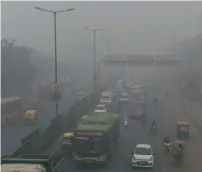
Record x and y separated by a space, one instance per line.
163 168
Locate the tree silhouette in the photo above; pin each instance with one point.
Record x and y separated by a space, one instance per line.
18 73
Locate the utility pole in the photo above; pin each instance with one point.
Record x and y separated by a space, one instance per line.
55 47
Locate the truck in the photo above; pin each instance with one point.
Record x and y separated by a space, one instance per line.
32 163
96 140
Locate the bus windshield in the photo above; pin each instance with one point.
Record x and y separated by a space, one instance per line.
81 144
89 143
98 144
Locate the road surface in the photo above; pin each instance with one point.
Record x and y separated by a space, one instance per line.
134 134
170 112
11 136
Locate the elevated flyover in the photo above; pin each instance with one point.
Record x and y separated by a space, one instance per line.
142 60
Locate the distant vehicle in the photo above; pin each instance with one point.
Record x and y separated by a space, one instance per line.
30 117
143 156
49 92
140 100
32 163
100 108
135 87
124 97
137 112
94 142
79 96
106 98
66 142
119 84
127 83
11 110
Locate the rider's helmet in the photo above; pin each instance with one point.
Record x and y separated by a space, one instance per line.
167 139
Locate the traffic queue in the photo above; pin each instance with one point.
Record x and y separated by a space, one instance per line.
96 136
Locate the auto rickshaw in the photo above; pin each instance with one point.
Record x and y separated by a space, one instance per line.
30 117
183 130
66 142
178 152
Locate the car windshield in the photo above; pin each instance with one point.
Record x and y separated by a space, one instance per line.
143 151
100 108
79 94
105 97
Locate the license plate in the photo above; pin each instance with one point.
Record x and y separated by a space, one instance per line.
142 163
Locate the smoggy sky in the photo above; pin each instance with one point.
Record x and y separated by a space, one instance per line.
131 27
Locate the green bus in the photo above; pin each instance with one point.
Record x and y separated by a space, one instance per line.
96 140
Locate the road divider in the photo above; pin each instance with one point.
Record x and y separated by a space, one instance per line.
37 143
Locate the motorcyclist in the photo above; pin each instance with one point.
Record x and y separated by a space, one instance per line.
167 140
167 143
125 119
153 125
125 116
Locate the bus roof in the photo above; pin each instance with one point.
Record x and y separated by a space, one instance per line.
9 99
98 122
106 118
93 127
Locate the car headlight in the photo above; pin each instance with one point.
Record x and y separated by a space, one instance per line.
133 158
102 157
150 159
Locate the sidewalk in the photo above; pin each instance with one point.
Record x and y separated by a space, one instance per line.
193 111
172 110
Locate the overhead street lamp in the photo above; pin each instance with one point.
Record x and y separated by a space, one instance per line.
94 66
55 37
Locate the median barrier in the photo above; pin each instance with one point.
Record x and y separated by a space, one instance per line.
36 143
24 149
33 135
58 120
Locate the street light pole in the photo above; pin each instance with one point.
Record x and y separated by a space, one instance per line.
55 42
95 73
56 61
94 59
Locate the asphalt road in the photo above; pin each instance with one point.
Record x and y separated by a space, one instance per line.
134 134
11 135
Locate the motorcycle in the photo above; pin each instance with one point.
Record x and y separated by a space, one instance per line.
153 129
126 123
167 147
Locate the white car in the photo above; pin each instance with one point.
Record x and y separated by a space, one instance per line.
100 108
124 97
143 156
79 96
